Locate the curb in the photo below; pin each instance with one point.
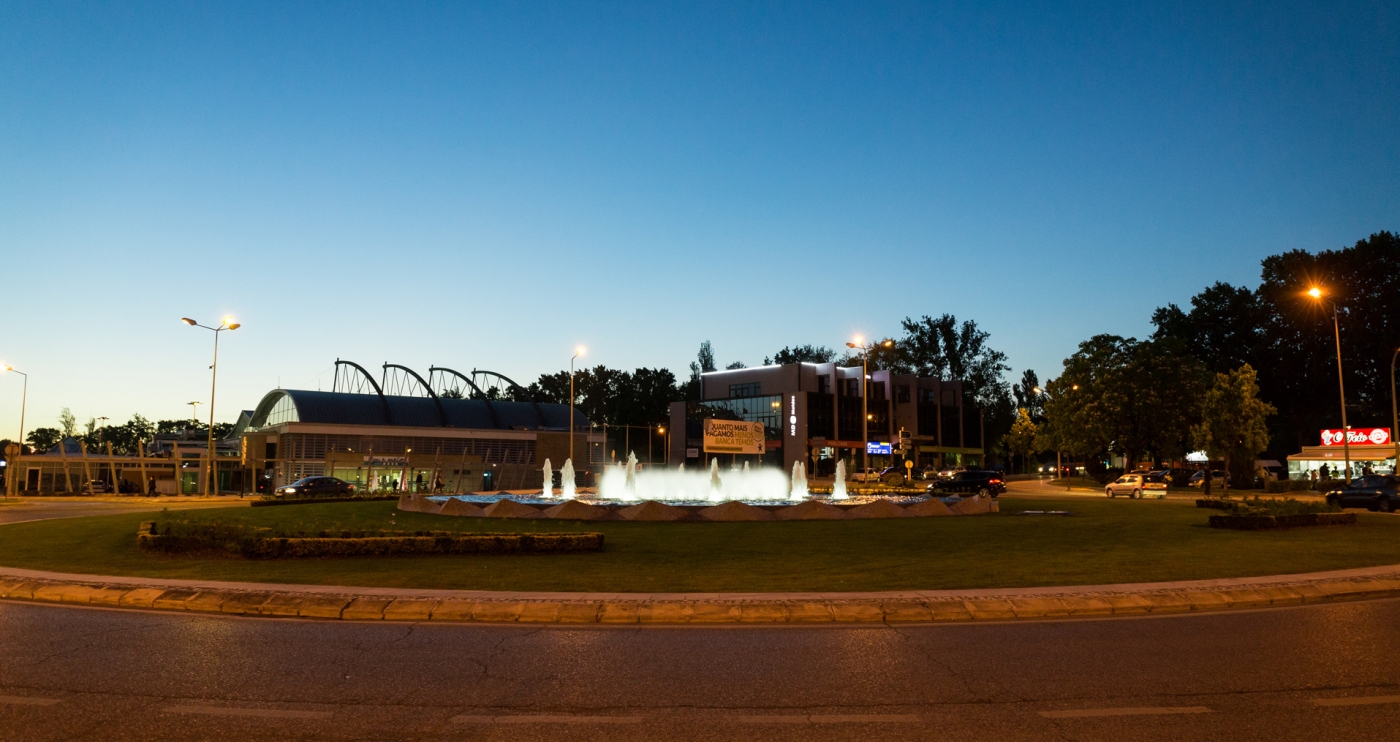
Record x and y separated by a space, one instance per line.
382 604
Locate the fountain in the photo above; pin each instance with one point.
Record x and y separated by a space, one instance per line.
548 480
631 476
838 490
706 485
566 476
799 480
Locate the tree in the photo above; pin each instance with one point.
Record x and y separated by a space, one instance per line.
1029 396
1021 440
43 439
1288 338
1118 394
453 393
1234 421
945 349
68 423
704 363
801 354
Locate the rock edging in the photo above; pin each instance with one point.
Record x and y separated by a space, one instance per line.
622 608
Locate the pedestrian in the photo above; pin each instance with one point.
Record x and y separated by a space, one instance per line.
418 483
437 483
151 487
1326 471
1366 470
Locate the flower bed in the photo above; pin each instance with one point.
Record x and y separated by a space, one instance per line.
264 543
1271 522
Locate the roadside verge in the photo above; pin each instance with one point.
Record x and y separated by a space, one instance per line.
918 606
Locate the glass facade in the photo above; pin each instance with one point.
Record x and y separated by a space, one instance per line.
282 412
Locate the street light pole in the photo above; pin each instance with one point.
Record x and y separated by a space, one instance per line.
24 401
226 324
577 352
864 404
1317 293
1394 416
10 482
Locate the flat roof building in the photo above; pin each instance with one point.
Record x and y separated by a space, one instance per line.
812 412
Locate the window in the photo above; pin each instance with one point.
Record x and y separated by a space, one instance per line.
901 394
852 387
740 391
823 384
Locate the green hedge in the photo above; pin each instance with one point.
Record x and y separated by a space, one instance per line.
264 543
1287 485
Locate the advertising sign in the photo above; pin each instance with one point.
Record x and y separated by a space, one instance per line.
733 436
1357 437
883 449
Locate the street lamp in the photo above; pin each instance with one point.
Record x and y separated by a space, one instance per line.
665 441
859 343
24 400
577 352
1394 416
226 324
1317 294
1058 465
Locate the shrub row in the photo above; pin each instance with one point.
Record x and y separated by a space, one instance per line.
1287 485
1271 522
262 543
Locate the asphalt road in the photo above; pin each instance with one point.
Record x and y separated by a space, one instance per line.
1327 672
38 509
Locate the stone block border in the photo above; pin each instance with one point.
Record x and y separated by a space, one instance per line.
937 606
731 511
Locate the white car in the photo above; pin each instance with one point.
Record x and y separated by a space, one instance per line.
1135 485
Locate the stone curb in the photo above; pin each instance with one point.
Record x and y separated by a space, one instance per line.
870 608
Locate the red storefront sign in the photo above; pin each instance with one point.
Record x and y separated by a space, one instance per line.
1357 437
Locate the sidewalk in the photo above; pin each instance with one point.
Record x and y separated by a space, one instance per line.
916 606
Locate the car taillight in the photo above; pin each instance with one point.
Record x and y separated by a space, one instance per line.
995 481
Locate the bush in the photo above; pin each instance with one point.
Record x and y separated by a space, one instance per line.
264 543
1260 506
1280 486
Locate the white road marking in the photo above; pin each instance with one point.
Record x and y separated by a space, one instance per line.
28 701
548 719
232 711
1126 711
1358 701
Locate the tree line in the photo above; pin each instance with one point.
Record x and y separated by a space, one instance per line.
125 438
1242 373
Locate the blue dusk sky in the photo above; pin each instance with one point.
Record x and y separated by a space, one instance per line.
489 185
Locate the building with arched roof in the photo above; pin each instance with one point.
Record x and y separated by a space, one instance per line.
378 440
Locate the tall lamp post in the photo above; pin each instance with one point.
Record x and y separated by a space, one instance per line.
226 324
1394 416
577 352
864 349
665 442
1318 294
24 401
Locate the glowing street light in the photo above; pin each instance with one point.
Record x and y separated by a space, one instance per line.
226 324
1318 295
858 343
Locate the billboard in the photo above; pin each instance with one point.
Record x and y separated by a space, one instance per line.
733 436
882 449
1357 437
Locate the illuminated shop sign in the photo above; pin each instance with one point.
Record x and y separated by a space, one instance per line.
1357 436
883 449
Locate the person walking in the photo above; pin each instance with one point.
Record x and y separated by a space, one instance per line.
151 487
418 483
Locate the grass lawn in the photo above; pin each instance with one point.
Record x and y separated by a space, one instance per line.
1105 542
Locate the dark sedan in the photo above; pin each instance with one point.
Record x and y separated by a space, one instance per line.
964 483
1372 492
316 487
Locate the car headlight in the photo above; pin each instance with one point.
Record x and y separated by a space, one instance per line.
289 489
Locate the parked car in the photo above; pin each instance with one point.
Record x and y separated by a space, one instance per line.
951 472
96 487
1135 485
928 472
966 482
1375 492
316 487
1177 477
1217 479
